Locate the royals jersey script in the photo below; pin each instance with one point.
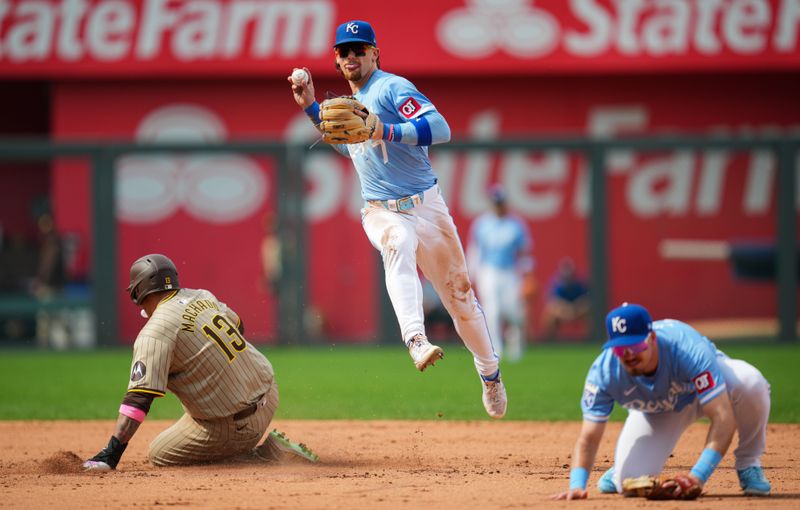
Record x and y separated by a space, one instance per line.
687 370
192 346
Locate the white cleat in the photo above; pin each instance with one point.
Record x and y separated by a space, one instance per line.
494 397
423 352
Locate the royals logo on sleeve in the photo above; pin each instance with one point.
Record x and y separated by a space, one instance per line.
589 393
704 382
409 108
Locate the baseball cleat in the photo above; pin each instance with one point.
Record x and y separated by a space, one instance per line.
753 482
495 400
423 352
606 482
278 447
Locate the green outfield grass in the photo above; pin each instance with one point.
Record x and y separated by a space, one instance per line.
356 383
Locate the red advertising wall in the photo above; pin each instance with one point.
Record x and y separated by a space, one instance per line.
102 38
207 214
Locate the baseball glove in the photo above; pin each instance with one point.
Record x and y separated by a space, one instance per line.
657 487
345 120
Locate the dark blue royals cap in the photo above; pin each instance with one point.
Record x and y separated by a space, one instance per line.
355 31
627 325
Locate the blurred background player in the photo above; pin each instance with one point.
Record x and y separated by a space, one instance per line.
500 256
193 345
668 376
567 300
405 215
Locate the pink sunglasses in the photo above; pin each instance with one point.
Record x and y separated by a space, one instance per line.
619 351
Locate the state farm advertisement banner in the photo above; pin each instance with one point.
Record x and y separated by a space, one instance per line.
208 213
102 38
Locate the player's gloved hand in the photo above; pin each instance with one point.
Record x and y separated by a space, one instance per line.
108 458
346 120
682 486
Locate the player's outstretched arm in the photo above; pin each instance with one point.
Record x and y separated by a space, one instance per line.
132 412
582 460
108 458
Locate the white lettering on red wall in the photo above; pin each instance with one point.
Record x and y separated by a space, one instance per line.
199 30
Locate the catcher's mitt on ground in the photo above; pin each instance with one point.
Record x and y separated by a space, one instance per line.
657 487
345 120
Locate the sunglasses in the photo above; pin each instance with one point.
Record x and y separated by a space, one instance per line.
359 49
619 351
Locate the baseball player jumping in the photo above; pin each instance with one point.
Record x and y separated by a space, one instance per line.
193 345
668 376
386 130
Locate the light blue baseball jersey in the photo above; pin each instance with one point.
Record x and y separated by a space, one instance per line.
687 370
500 239
390 170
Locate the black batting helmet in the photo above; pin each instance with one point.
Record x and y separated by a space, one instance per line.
152 273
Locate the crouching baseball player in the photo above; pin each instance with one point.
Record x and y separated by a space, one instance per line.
193 345
668 376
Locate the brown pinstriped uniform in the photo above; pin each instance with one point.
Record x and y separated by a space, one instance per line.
191 346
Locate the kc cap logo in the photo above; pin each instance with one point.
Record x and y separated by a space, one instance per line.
355 31
627 325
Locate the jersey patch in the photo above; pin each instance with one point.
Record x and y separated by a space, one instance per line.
589 394
704 382
409 108
138 371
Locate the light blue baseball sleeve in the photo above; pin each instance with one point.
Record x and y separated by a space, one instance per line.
596 403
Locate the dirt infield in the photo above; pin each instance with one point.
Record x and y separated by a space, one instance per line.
369 465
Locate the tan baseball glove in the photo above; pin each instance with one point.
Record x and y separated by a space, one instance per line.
345 120
658 487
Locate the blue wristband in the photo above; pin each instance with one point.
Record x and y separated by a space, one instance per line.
578 478
313 112
706 464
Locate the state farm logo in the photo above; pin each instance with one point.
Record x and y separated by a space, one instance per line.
216 188
142 30
626 29
484 27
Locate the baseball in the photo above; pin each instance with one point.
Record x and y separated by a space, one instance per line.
299 77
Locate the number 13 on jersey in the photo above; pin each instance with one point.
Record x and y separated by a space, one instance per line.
234 339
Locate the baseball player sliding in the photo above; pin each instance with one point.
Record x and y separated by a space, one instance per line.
386 129
668 375
193 345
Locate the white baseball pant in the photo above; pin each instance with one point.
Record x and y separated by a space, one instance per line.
500 292
426 236
647 440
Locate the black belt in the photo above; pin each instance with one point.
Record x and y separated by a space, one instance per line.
249 410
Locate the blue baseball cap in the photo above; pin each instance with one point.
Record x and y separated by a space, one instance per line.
498 194
627 325
355 31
